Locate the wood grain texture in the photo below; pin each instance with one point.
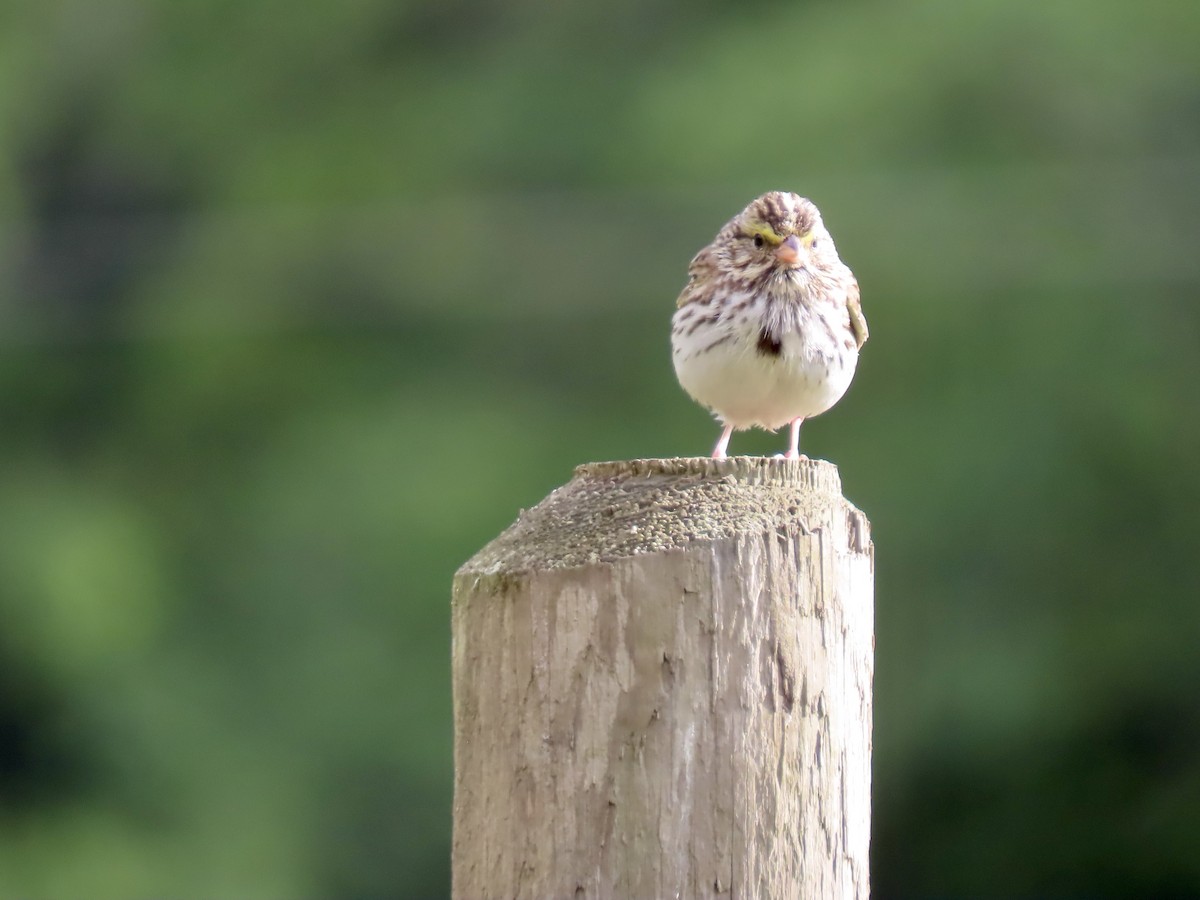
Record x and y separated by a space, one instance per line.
662 686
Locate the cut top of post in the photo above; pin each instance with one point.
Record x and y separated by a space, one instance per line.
613 510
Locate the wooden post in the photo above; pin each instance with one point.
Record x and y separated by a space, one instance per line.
662 689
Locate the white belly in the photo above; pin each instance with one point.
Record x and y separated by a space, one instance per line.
746 387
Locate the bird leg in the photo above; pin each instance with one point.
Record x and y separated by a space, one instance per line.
793 451
723 443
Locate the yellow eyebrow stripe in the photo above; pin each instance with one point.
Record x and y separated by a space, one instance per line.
768 234
772 238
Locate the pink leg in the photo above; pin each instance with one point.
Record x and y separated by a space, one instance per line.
794 443
723 443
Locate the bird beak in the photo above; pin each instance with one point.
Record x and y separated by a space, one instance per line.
789 251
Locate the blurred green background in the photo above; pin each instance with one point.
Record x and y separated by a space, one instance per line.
301 302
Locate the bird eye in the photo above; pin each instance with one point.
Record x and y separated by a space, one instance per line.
758 240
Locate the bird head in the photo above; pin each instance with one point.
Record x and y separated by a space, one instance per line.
778 232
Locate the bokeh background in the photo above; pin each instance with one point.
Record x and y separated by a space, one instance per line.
300 302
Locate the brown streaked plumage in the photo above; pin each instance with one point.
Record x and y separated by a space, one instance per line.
769 324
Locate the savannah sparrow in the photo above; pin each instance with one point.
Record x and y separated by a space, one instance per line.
768 327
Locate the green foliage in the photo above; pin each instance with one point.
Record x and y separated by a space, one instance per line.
299 303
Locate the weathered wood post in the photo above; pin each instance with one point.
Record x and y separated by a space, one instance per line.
662 689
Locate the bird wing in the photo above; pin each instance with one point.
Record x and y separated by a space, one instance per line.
700 272
858 322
